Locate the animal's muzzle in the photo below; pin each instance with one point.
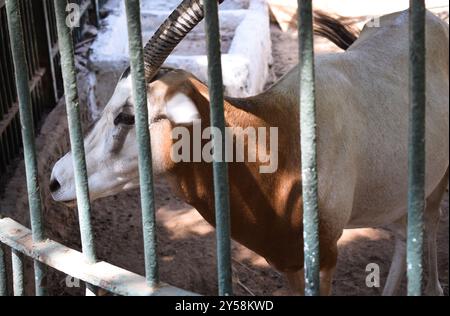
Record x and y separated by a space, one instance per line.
54 185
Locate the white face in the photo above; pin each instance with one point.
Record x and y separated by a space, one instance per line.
111 147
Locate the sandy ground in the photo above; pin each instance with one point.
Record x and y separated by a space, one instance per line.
186 243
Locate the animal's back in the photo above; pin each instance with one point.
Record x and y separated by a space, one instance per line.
366 103
362 98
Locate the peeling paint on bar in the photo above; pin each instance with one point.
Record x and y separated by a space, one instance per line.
143 139
308 149
75 131
416 179
69 74
17 268
101 274
26 120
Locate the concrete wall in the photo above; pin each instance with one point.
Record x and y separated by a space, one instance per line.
246 57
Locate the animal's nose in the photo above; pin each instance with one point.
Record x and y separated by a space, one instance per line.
54 185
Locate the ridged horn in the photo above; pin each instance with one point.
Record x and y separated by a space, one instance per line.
173 30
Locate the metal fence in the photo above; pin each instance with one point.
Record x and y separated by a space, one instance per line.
43 68
100 274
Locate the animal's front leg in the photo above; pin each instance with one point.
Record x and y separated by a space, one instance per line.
328 260
296 281
326 280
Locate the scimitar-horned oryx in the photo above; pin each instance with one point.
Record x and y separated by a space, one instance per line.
362 114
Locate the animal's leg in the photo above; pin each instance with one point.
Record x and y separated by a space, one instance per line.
433 285
326 281
296 279
328 261
296 282
432 214
398 265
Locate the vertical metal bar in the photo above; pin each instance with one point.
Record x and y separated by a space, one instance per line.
3 284
17 269
143 138
48 17
96 8
34 44
3 155
416 179
6 61
66 47
308 149
75 130
21 76
221 187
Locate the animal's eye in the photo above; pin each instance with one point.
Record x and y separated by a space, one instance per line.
124 118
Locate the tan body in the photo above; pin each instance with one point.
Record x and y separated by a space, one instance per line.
362 114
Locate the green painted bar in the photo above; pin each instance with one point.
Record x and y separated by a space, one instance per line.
221 186
96 8
143 138
47 18
416 165
17 268
3 280
75 130
26 120
309 149
71 262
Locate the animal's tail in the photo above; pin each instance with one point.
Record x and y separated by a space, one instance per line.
334 30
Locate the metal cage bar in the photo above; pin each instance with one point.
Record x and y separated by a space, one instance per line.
308 149
220 168
3 280
143 139
66 48
26 119
18 270
416 177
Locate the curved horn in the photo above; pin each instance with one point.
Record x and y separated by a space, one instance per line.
185 17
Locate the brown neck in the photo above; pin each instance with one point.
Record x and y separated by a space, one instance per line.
262 205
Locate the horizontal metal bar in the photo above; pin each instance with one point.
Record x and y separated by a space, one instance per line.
71 262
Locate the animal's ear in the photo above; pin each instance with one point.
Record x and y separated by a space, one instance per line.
181 110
